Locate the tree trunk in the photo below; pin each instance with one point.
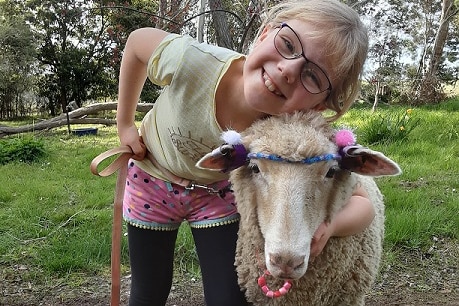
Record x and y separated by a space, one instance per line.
430 87
201 19
221 25
75 117
163 12
376 100
440 37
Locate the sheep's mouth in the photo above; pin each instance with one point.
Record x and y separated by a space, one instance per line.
287 277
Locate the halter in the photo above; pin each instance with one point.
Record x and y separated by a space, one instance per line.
343 139
308 161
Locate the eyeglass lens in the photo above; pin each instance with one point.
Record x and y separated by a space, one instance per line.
289 46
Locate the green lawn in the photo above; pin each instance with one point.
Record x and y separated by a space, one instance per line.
55 216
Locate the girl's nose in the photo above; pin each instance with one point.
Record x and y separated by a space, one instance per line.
290 69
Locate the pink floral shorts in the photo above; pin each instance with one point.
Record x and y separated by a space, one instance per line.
155 204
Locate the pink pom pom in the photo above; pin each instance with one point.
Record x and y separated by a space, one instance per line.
344 138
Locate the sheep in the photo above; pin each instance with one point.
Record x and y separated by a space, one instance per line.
281 204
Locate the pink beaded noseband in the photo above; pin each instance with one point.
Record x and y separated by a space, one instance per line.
273 294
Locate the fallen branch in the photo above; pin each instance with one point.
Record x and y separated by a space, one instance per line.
75 117
50 233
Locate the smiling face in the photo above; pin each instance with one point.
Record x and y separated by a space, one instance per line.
272 83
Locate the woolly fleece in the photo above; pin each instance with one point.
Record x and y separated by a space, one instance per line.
347 267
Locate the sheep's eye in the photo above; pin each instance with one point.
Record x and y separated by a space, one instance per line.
254 168
331 172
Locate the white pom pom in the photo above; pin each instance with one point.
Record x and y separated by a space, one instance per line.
231 137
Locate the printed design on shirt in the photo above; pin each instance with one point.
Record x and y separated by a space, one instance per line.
187 145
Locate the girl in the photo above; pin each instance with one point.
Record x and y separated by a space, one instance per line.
308 55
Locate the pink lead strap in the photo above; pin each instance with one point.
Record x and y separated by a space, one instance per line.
121 163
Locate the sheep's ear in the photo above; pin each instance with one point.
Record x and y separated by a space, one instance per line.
225 158
368 162
217 160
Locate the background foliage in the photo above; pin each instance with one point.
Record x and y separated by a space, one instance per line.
55 52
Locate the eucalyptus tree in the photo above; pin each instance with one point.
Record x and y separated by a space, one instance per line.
384 66
17 53
74 51
410 44
429 87
235 24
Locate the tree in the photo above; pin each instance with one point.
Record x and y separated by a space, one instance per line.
416 64
125 17
75 51
430 85
79 43
17 53
388 40
221 25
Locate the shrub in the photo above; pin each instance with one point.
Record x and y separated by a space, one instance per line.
27 149
389 127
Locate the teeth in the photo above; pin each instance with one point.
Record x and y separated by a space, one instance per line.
270 85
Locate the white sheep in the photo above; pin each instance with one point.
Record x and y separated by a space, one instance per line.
295 177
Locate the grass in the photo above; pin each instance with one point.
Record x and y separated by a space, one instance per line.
422 203
55 216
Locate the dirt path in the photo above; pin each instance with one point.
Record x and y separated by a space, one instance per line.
415 278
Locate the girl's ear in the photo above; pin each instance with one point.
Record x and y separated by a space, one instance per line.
320 107
264 33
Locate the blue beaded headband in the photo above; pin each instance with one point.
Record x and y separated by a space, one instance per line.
309 160
343 138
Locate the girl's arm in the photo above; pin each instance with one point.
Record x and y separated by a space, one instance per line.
133 73
353 218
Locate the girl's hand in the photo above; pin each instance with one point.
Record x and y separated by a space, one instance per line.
129 136
352 219
320 239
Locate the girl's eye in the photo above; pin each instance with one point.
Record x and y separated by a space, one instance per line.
309 76
254 168
289 46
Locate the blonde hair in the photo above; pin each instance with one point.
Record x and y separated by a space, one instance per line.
344 36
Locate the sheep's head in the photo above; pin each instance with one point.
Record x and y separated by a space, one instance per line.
298 178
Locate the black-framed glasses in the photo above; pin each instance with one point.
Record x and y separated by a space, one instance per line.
289 46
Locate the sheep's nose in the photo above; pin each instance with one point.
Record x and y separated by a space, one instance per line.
286 263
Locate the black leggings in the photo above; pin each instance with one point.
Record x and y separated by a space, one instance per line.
152 255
